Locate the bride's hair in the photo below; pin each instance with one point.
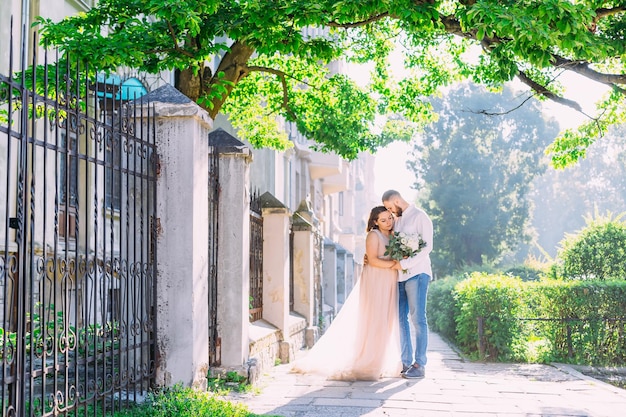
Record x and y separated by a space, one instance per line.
371 223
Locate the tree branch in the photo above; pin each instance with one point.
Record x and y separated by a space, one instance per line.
579 67
276 72
542 90
501 113
583 69
604 12
177 48
283 80
360 23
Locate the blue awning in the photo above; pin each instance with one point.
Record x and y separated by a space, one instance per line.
129 89
106 86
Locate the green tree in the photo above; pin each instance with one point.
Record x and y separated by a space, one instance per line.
271 58
474 167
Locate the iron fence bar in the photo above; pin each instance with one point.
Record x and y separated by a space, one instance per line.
571 319
213 248
17 397
291 270
45 253
30 301
140 315
7 260
153 237
126 267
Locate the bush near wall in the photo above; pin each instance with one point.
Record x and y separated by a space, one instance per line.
487 326
441 309
580 322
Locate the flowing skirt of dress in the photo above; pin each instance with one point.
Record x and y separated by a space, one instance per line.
363 341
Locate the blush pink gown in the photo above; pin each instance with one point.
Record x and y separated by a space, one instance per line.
363 341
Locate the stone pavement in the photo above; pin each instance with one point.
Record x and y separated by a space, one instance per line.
453 387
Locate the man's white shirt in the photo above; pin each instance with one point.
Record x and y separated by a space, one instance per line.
416 221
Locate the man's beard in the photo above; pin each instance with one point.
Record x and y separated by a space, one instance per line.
398 211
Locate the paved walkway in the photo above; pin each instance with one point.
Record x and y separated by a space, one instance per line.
452 388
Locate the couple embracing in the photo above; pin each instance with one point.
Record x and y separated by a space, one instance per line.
371 336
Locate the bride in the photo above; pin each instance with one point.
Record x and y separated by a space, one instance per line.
363 342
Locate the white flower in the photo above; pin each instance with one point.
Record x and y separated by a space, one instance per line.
415 242
402 245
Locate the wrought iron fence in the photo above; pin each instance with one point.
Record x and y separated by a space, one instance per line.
213 222
77 252
256 258
573 339
291 271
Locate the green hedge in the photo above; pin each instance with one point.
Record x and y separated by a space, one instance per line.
586 332
490 303
441 309
551 320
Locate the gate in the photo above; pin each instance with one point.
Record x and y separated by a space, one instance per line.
256 258
77 244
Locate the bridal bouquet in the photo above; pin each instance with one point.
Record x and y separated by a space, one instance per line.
402 245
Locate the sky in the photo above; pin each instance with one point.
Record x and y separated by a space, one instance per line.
391 172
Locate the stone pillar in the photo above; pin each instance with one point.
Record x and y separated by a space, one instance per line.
350 279
329 276
276 229
182 129
341 276
304 226
233 266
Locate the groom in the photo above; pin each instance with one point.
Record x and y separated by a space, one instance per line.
412 284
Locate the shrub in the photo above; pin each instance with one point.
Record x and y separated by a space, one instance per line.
544 321
441 308
524 272
587 323
596 251
491 304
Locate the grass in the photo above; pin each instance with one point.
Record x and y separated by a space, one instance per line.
180 401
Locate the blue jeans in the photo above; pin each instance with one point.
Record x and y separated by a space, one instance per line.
412 306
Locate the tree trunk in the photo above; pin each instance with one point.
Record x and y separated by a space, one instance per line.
188 83
234 65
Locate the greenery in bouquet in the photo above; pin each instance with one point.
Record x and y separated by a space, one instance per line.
402 245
